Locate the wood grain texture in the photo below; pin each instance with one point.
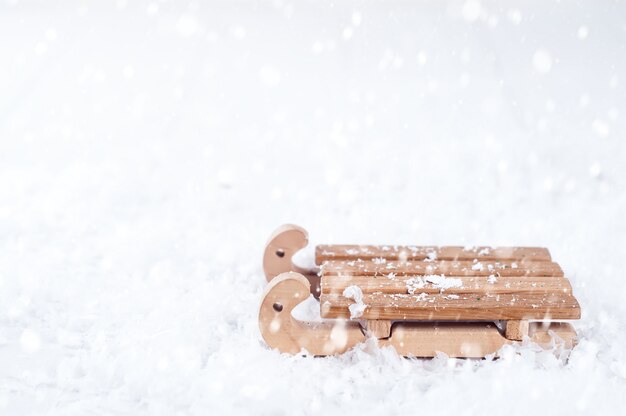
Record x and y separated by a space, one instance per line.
445 267
443 306
469 339
449 289
325 253
469 285
379 328
516 329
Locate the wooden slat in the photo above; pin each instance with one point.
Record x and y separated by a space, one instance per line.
449 307
367 252
469 284
445 267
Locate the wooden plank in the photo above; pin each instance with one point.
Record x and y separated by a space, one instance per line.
325 253
468 284
445 306
445 267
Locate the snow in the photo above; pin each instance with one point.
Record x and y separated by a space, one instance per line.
438 282
442 282
542 61
149 148
414 283
358 307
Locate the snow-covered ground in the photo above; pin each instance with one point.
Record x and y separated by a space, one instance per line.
147 150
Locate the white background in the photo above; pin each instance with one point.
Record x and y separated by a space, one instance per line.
147 150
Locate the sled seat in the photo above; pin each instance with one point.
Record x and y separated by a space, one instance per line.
427 283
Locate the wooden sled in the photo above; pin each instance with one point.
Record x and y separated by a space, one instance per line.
462 301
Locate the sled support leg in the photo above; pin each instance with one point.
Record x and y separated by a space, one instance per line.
283 244
379 328
282 331
517 329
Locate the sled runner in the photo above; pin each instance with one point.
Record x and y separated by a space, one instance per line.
462 301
